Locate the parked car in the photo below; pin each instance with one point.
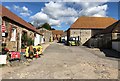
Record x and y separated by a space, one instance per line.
37 51
73 41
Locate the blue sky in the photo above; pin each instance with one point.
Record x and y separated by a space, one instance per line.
61 14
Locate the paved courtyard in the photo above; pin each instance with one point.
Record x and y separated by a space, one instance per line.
65 62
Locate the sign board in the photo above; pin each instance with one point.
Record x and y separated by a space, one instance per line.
4 34
3 59
15 55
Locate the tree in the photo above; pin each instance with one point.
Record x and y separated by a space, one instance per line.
46 26
31 23
30 41
24 39
52 28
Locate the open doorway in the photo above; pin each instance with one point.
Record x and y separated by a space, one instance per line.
24 39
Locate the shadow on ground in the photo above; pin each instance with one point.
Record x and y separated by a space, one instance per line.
110 53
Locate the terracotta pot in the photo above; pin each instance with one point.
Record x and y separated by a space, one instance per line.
22 50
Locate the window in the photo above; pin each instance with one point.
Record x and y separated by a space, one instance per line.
118 36
13 34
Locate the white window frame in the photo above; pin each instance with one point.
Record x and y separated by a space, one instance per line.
118 35
13 36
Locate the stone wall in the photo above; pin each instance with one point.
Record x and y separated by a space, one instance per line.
15 45
84 34
47 34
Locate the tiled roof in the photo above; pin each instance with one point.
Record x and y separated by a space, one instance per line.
93 22
7 13
58 32
114 28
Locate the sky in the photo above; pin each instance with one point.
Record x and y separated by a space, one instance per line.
61 15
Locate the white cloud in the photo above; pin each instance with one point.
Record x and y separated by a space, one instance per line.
94 10
40 17
69 20
15 7
24 11
54 22
25 14
57 10
7 7
56 13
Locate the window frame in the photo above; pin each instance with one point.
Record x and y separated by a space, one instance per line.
13 38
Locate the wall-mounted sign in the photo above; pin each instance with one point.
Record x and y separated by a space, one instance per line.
4 34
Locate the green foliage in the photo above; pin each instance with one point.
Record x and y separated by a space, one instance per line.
46 26
26 41
30 41
24 38
23 46
52 28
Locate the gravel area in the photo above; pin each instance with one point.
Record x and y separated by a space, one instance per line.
64 62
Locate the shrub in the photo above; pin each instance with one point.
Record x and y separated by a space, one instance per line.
30 41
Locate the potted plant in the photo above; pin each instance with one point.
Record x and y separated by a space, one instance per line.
24 39
30 41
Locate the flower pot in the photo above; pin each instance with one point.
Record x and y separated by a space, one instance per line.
22 50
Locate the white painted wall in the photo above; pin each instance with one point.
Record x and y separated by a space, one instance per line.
37 40
116 46
42 39
65 38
